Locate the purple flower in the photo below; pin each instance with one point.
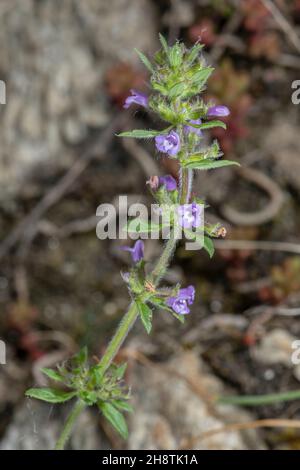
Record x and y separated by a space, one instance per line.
180 303
136 98
189 215
168 143
192 129
169 182
137 252
218 111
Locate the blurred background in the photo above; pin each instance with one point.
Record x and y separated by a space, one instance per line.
68 66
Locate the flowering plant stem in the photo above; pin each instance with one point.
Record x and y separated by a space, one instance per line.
127 322
178 77
68 427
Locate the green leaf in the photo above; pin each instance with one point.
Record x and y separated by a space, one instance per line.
211 153
164 44
51 395
97 374
208 125
115 418
209 246
180 318
177 90
82 356
52 374
89 397
202 75
123 405
120 371
146 316
208 164
145 61
159 87
193 54
160 303
175 56
140 134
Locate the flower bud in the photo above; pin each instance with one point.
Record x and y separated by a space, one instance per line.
136 98
218 111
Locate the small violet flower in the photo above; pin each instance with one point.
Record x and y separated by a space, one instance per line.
168 143
189 215
194 130
218 111
180 303
136 98
169 182
137 252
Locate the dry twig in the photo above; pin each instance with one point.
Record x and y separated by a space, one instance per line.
283 23
142 157
262 423
261 216
257 245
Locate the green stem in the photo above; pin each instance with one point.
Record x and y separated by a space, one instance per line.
186 176
69 424
119 337
164 260
255 400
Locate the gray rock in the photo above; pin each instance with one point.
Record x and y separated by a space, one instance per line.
53 58
173 408
275 348
37 425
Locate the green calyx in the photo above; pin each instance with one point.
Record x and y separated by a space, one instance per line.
90 386
178 76
83 381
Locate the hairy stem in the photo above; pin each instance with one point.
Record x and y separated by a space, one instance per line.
186 180
119 337
164 260
69 424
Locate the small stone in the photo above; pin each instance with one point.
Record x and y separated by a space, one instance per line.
275 348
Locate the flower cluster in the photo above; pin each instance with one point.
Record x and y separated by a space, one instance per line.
178 76
179 303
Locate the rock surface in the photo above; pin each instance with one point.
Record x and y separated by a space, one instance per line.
173 409
279 347
37 425
53 58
